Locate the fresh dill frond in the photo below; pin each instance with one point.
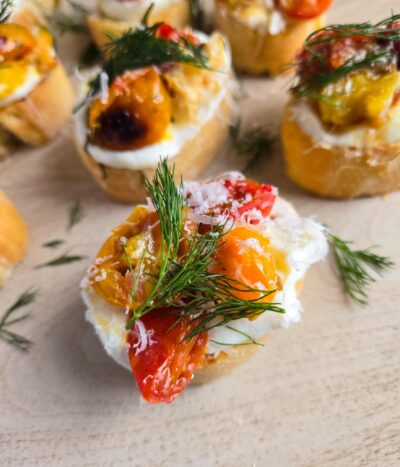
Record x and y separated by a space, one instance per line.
196 14
74 22
313 69
254 143
76 214
7 319
184 285
141 47
356 267
53 243
61 260
90 55
6 7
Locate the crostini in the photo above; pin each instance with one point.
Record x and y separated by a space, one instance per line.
36 96
186 285
114 17
163 92
13 237
266 34
340 128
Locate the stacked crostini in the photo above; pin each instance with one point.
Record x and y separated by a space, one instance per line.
163 92
114 17
13 237
36 96
266 34
188 279
340 129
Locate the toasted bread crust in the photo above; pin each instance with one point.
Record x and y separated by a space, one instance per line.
256 51
101 27
13 237
38 118
338 171
127 185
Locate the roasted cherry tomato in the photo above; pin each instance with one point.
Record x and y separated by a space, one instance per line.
304 9
15 42
246 256
110 277
166 363
165 31
136 113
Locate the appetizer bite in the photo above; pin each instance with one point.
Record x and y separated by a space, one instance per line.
266 34
13 237
114 17
189 284
163 92
340 128
36 96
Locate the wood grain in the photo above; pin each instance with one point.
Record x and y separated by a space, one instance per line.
325 392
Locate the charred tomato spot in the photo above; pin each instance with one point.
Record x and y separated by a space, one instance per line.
118 129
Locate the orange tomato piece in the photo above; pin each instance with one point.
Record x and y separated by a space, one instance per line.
137 112
166 365
15 42
245 256
110 277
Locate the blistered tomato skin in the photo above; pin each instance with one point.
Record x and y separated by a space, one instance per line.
165 366
15 42
303 9
136 113
246 257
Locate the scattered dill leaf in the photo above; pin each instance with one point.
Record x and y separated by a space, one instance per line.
197 14
7 319
250 340
76 214
5 10
53 243
206 298
89 56
355 267
61 260
253 143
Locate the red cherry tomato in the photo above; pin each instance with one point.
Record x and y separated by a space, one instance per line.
165 366
165 31
303 9
249 195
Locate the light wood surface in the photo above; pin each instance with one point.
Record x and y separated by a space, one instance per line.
325 392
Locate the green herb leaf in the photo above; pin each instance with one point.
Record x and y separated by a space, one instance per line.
355 267
6 7
254 143
76 214
11 337
61 260
53 243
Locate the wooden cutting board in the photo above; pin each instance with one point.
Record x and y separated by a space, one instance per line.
324 392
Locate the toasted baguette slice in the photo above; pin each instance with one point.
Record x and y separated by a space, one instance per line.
127 185
13 237
176 14
256 51
335 171
41 115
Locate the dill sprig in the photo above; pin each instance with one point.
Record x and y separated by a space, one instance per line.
53 243
8 319
5 10
355 267
140 47
76 214
71 23
184 285
313 69
61 260
253 143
